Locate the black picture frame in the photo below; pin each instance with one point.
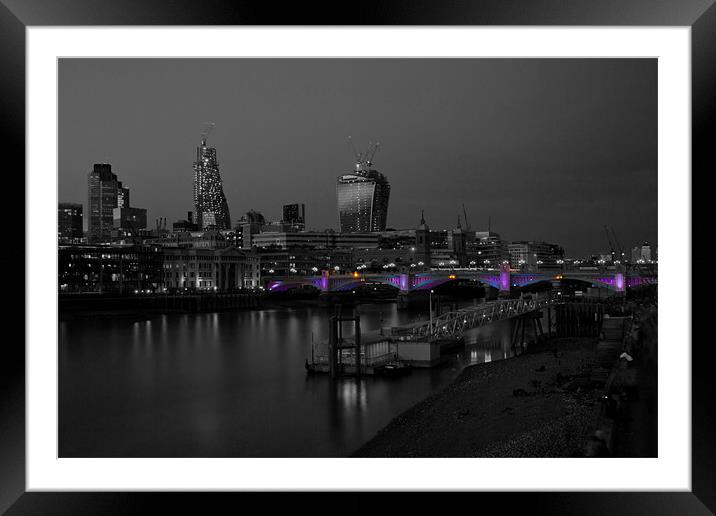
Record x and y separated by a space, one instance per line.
16 15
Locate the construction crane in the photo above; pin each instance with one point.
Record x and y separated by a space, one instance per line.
206 131
364 158
467 224
357 154
619 246
371 153
609 239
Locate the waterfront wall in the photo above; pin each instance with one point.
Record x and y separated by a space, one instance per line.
160 302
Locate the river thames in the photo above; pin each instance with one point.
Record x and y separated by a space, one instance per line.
232 384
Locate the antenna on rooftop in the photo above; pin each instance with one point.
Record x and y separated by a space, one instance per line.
206 131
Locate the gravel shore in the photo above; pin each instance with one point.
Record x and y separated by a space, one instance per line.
542 403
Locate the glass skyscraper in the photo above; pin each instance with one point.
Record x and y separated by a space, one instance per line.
102 195
209 201
363 199
105 195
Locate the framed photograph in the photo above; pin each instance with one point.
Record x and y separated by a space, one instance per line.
427 249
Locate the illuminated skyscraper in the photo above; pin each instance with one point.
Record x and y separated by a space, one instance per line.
363 197
209 201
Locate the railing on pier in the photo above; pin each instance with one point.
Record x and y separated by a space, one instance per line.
453 324
348 358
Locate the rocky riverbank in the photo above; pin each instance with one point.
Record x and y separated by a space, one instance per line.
543 403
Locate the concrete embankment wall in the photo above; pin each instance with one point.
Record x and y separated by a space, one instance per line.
169 303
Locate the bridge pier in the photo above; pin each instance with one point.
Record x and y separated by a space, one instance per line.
505 280
534 321
413 299
620 283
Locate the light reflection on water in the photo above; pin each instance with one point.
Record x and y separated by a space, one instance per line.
232 384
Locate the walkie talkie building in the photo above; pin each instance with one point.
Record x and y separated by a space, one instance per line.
363 198
210 203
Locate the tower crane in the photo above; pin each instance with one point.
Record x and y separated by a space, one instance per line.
364 158
611 245
467 224
371 152
353 148
619 246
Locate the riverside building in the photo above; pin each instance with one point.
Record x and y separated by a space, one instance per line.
210 269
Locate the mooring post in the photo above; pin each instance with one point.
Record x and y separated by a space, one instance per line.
332 346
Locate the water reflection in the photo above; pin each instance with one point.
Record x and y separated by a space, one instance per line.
231 384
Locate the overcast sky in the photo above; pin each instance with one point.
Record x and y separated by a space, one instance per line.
550 149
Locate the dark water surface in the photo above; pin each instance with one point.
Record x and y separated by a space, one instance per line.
231 384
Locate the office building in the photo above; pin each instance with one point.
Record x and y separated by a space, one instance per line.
69 221
109 268
363 197
304 261
185 225
294 215
130 219
534 254
642 253
315 239
105 195
102 200
250 225
486 249
210 206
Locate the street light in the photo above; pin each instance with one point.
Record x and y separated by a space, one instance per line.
431 312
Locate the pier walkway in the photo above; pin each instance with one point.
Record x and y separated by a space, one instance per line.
455 323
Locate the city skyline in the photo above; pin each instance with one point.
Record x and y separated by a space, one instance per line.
604 126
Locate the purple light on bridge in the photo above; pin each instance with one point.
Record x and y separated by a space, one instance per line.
520 280
505 277
619 282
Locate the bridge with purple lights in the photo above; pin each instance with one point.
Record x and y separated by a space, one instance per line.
503 280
